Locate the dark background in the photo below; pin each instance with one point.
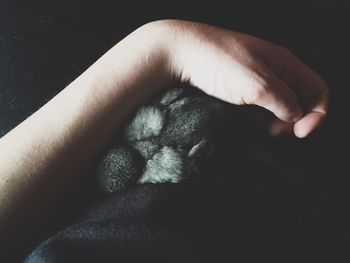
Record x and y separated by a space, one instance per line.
298 190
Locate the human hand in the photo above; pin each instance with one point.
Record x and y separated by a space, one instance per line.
243 69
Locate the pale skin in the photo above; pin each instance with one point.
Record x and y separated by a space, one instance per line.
60 142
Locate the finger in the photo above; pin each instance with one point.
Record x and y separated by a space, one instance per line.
308 123
313 94
309 87
311 90
276 97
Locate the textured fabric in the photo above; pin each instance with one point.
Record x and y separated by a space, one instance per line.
275 200
206 220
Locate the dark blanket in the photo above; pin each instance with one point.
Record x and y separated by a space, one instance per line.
274 200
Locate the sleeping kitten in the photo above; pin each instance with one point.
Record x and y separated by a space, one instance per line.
167 140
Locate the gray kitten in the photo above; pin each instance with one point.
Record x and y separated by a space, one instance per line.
167 140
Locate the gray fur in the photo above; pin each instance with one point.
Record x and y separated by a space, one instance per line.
147 148
170 96
178 104
121 160
166 141
148 122
165 166
188 124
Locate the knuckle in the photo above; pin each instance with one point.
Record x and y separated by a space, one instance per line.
258 90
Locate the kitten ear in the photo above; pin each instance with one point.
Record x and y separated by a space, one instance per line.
198 155
203 148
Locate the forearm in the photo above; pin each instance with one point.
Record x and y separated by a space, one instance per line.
60 142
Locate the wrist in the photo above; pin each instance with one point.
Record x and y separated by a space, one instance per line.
168 41
156 49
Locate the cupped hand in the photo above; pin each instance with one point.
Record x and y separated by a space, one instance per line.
243 69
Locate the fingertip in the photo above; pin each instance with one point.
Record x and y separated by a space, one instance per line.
307 124
301 132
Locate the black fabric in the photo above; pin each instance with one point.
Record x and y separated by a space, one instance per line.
276 200
206 220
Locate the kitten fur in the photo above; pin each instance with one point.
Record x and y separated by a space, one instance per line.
167 140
